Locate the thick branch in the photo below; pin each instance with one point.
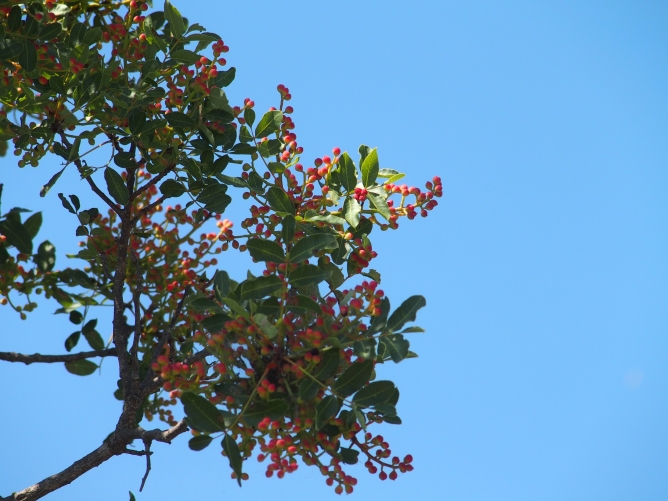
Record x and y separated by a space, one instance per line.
50 359
114 446
67 476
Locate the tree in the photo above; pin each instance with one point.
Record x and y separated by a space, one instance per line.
283 361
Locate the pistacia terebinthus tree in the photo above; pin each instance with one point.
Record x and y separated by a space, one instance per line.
279 366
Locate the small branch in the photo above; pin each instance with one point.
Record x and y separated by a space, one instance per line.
165 436
89 179
147 453
9 356
153 181
149 207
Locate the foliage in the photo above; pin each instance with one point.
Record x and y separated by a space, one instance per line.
282 362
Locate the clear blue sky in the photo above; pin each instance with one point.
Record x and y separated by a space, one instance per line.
543 374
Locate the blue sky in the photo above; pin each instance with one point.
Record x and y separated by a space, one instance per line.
543 371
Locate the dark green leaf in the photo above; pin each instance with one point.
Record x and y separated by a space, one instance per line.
406 312
353 378
214 198
306 246
265 250
221 284
225 78
274 409
215 323
351 211
45 259
28 58
234 455
72 340
94 338
378 392
172 188
93 35
348 172
76 317
249 116
81 367
203 414
349 456
175 20
50 31
33 224
308 389
307 275
17 235
203 304
305 304
260 287
178 119
116 186
288 228
279 201
386 408
185 56
378 322
327 408
395 346
14 18
270 122
269 148
199 442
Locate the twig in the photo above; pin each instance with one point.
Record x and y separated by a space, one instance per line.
147 453
9 356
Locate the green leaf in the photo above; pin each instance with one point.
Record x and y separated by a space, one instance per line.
237 182
269 148
181 120
50 31
225 78
387 173
288 229
308 389
306 246
267 328
349 456
45 259
313 216
353 378
351 211
327 408
175 19
93 35
273 409
132 496
265 250
378 392
260 287
378 322
270 122
380 204
348 172
412 329
203 304
236 307
199 442
116 186
279 201
329 363
305 304
17 235
92 336
10 52
395 346
28 58
33 224
249 116
406 312
307 275
203 415
370 168
234 455
81 367
185 56
214 198
172 188
387 409
215 323
72 340
221 284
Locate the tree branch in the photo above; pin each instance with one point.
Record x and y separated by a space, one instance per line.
114 446
9 356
